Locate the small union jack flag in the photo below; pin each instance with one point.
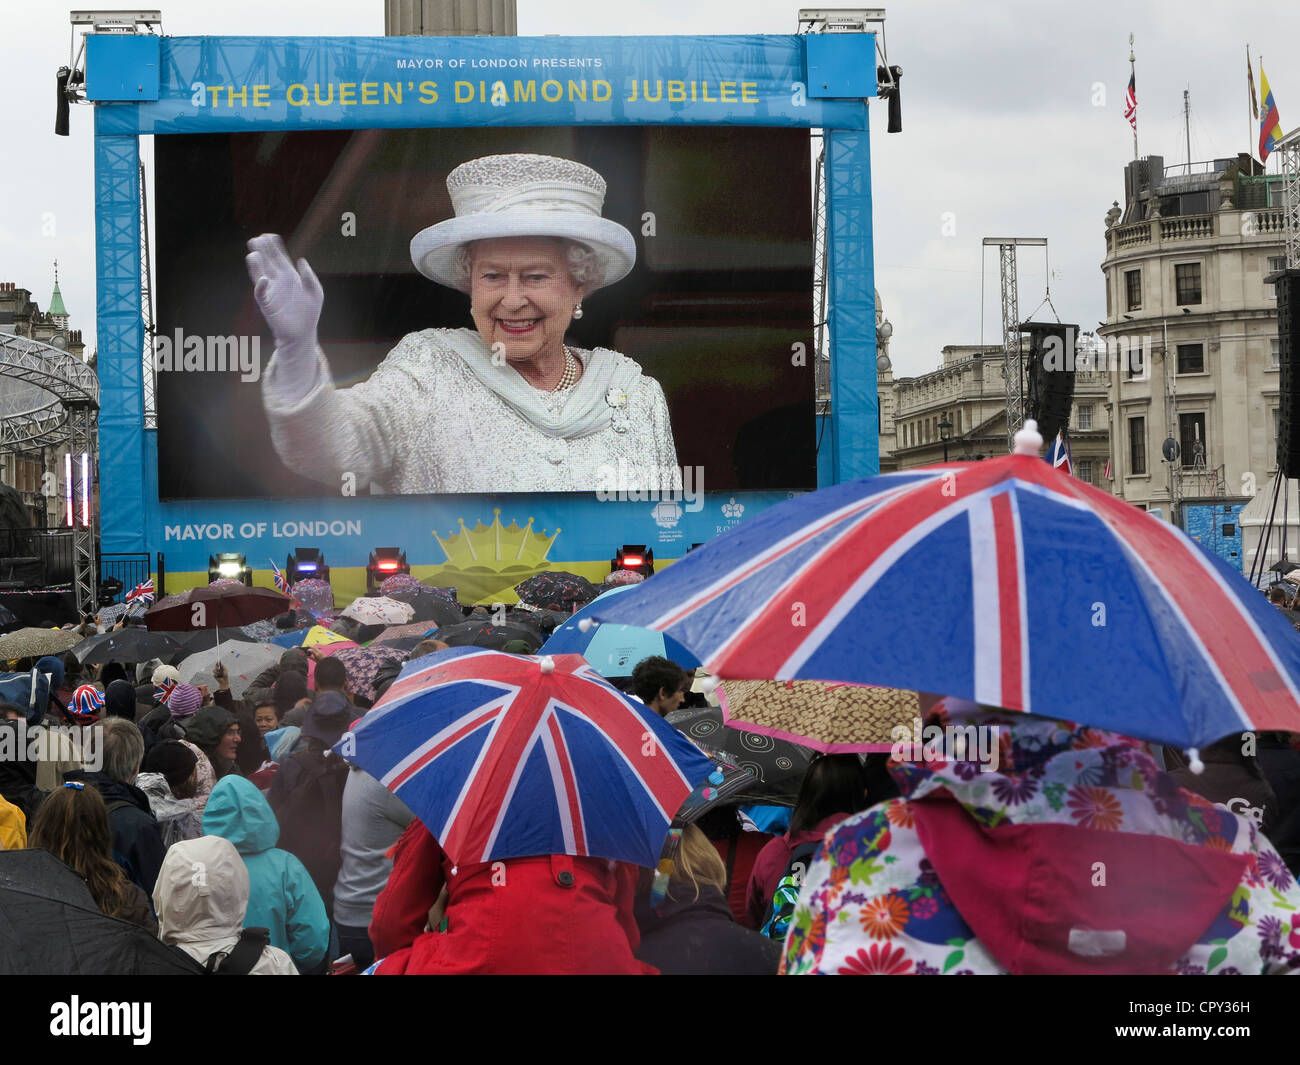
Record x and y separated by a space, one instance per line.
163 691
142 593
281 581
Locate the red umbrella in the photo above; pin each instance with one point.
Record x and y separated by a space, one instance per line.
215 606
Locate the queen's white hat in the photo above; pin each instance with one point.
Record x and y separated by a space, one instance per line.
523 196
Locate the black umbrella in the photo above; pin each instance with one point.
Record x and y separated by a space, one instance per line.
430 606
50 926
485 634
778 765
558 590
125 645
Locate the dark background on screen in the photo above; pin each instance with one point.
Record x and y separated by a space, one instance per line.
718 297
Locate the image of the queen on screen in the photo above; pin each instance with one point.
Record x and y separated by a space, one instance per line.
507 406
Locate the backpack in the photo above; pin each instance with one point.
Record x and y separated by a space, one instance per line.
307 797
241 958
779 911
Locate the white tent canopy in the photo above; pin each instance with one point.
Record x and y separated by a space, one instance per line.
1254 517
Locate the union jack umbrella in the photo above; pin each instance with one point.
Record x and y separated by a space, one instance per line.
1003 581
142 593
505 756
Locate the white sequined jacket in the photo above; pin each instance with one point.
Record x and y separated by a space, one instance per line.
436 416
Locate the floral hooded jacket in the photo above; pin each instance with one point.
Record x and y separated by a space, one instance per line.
1076 854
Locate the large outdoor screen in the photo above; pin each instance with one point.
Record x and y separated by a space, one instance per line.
552 339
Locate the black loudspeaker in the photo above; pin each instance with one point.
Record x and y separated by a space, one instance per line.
1051 375
1287 286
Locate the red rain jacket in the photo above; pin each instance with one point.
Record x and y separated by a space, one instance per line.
552 914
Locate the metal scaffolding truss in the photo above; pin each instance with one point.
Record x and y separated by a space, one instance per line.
1289 148
41 383
1013 368
49 398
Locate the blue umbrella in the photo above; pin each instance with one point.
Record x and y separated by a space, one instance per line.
505 756
292 638
614 650
1059 599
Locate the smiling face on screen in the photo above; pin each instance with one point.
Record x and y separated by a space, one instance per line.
522 295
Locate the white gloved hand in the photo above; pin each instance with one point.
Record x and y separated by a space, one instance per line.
290 299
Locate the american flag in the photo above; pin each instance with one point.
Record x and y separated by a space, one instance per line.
141 593
281 581
1131 103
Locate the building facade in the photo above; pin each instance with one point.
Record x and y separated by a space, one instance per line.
26 472
968 391
1191 332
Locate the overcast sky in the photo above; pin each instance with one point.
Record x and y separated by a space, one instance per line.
1013 125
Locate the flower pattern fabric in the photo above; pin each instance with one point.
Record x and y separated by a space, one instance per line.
872 903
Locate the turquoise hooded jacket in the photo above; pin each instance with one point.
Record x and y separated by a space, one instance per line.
282 896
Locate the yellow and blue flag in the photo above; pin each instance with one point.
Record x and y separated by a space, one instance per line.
1270 126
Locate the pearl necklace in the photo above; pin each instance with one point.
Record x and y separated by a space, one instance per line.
570 376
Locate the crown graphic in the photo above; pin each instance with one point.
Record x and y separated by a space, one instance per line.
732 509
497 548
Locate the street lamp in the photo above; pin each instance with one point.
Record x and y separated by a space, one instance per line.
945 434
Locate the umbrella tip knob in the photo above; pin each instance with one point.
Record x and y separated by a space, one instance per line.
708 685
585 624
1194 762
1028 440
548 664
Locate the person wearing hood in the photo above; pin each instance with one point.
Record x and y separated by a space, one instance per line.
60 693
119 700
1057 848
17 775
205 779
283 898
215 731
168 779
137 843
204 915
691 932
13 827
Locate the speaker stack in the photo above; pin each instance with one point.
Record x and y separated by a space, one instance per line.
1051 375
1287 286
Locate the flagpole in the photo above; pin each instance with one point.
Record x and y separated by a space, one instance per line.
1132 73
1250 148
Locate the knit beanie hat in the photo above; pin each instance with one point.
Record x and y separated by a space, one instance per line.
185 700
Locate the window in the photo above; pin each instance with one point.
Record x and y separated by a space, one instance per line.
1137 364
1274 353
1191 438
1085 415
1187 283
1083 470
1133 286
1191 358
1137 446
1275 263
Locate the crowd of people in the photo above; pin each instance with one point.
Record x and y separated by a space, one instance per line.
868 865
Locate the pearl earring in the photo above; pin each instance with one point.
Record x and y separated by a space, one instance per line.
577 311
